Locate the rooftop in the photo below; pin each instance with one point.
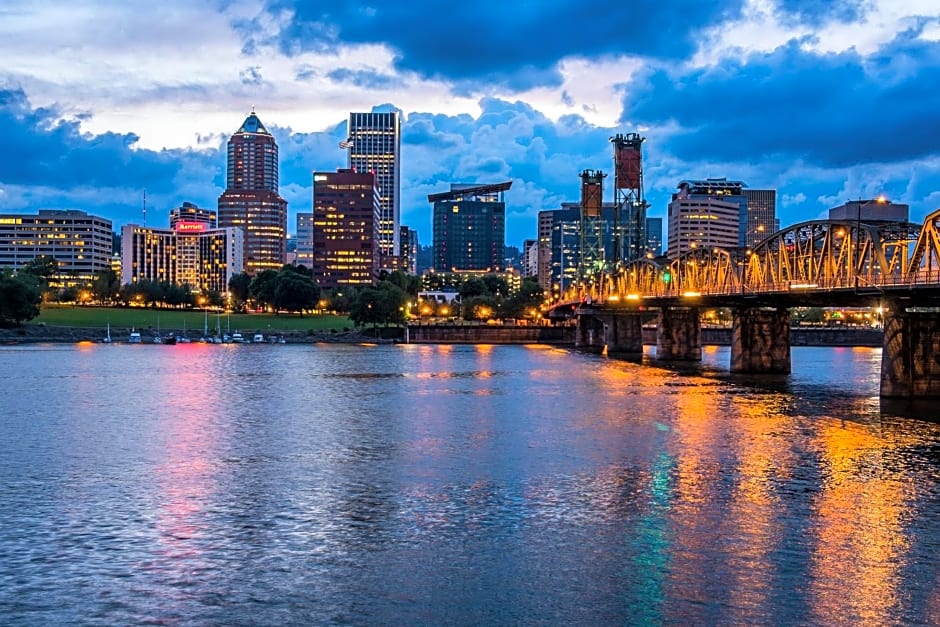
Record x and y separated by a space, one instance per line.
460 191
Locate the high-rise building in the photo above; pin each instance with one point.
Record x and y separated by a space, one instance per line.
761 215
408 247
346 209
79 242
188 212
190 253
251 200
560 247
530 258
654 236
705 214
470 228
374 145
304 248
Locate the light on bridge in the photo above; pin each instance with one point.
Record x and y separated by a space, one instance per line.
691 294
633 297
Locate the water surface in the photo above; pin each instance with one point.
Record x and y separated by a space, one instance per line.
457 484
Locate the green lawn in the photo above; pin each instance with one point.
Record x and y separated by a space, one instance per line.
173 320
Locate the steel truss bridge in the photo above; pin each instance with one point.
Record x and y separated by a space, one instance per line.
815 263
894 265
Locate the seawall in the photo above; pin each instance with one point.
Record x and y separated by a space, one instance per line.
564 335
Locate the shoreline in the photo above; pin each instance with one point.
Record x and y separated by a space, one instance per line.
45 334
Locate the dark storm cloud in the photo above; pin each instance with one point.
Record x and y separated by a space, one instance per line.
826 110
515 45
55 153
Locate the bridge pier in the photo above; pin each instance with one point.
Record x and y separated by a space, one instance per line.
679 334
625 333
760 340
910 358
591 334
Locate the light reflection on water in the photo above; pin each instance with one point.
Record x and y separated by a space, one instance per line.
441 484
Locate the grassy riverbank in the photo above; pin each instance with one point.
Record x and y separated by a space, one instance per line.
176 320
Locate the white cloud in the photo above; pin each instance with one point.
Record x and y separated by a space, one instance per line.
761 29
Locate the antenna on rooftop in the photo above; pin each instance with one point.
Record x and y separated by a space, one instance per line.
145 207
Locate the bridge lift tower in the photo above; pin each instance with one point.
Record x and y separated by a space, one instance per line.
592 226
629 204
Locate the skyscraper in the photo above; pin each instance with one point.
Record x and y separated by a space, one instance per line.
761 215
374 145
251 200
470 228
345 228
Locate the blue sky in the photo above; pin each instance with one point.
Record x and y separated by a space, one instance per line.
825 101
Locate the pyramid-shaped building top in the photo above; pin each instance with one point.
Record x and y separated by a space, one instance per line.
252 124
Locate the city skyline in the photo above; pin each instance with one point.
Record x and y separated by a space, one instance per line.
826 105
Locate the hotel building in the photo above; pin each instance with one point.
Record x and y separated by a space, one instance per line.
188 212
374 145
79 242
190 254
346 210
251 200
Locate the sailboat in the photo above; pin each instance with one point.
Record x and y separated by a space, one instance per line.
107 338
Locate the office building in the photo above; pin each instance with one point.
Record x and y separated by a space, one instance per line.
79 242
188 212
374 145
705 214
251 200
190 254
654 236
559 248
408 247
304 239
346 213
470 228
761 215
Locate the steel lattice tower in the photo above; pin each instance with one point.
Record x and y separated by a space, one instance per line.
630 206
592 225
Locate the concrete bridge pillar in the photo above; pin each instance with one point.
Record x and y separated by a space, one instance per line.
910 358
591 335
625 333
760 340
679 336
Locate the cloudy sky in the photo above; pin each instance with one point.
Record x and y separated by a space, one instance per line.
824 100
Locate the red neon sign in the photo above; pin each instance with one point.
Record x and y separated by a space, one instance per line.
191 227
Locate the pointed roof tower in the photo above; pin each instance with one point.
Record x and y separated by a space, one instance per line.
252 124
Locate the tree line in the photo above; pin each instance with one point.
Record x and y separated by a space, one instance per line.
290 289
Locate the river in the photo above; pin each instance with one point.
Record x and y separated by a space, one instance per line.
409 484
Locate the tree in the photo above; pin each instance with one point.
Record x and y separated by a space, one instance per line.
529 297
42 267
482 307
409 283
106 285
239 288
474 286
262 287
20 296
295 291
